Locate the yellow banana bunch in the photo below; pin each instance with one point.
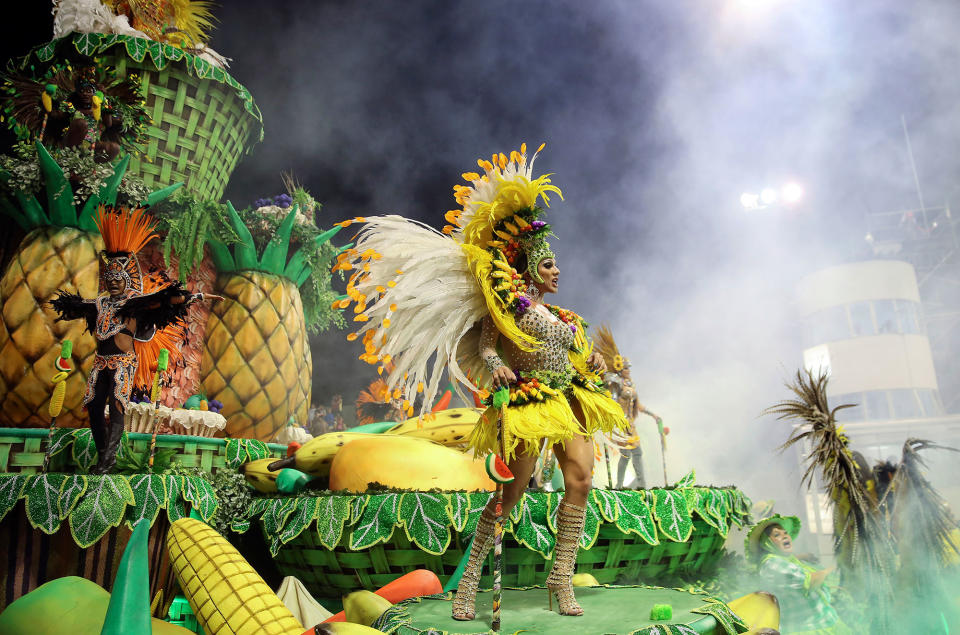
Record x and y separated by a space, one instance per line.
316 455
451 427
226 594
259 475
759 610
59 382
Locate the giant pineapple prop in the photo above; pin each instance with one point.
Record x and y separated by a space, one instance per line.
60 251
256 356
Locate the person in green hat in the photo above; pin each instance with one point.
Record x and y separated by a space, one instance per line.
801 588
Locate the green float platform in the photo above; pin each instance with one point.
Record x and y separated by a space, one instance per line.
620 610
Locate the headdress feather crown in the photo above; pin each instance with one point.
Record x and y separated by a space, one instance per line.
125 232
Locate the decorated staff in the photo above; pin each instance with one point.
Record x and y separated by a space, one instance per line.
162 360
59 392
499 476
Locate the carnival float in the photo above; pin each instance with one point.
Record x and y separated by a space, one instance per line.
117 115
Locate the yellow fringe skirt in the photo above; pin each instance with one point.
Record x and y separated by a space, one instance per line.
527 426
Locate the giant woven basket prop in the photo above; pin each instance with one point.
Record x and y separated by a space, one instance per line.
22 450
203 119
340 543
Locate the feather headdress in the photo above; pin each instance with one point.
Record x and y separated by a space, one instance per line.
420 294
125 232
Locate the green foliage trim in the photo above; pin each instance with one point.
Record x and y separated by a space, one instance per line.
189 224
33 171
92 505
430 518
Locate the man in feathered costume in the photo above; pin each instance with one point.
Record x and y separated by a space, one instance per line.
620 384
473 297
132 319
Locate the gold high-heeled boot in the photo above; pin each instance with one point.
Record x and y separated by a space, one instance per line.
570 520
464 604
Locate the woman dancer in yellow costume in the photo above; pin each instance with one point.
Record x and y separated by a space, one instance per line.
473 296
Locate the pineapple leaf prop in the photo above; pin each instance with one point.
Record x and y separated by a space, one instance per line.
59 251
256 356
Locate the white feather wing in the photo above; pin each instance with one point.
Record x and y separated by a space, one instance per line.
421 299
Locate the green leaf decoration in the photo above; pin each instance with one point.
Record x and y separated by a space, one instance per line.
202 67
516 511
688 480
635 515
200 494
45 53
108 193
666 629
729 621
741 508
729 502
219 74
464 510
257 449
84 450
176 508
110 40
298 520
236 453
332 512
244 252
711 508
136 48
162 194
61 440
552 505
532 530
274 257
71 491
377 522
607 504
100 509
43 497
60 206
11 488
239 526
276 514
88 43
172 53
672 516
358 506
591 525
423 517
155 51
149 495
259 506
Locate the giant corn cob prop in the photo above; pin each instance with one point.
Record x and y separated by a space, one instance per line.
59 392
226 594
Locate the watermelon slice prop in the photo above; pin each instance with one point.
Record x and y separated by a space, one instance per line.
497 470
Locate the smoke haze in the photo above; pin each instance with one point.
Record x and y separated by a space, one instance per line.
657 116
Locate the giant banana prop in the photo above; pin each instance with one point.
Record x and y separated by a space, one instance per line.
226 594
450 427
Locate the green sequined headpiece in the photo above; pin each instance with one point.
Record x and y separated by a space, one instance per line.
537 250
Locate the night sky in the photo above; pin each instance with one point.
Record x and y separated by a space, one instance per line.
657 116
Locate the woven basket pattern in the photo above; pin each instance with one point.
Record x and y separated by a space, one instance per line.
21 450
335 573
200 128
